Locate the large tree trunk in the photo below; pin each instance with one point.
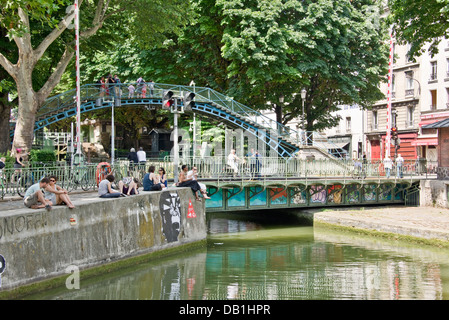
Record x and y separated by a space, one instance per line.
5 111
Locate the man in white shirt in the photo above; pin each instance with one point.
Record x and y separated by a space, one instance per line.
399 163
141 156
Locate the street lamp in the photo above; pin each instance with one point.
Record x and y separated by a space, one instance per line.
303 97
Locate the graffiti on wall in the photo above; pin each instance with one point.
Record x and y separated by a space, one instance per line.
170 207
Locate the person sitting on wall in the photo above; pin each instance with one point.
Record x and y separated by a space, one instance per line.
34 197
194 175
105 188
151 181
184 181
56 194
129 186
163 177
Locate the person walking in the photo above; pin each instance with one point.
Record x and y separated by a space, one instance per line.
399 164
388 165
141 156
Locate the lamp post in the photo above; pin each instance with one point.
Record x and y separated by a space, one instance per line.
303 98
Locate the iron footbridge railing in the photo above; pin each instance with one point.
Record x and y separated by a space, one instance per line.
211 102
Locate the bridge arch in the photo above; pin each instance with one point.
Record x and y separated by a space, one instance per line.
208 102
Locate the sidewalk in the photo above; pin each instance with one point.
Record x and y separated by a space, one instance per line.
420 222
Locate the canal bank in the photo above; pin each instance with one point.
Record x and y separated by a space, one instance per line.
40 247
427 225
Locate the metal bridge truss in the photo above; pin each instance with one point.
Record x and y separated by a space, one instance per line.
285 140
306 194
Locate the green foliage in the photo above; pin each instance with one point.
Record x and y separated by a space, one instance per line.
43 155
419 22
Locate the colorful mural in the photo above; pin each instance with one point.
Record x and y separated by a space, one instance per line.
257 196
352 193
298 195
318 194
369 192
335 194
236 197
278 196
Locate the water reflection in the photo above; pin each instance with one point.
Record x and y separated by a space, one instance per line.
246 260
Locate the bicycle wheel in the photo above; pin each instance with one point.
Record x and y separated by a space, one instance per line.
85 182
23 184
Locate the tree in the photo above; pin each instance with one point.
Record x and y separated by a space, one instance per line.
39 26
332 48
419 22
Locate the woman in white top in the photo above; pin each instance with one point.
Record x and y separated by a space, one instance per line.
232 161
56 194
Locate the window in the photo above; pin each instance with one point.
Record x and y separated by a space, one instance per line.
348 124
433 98
410 112
433 70
375 120
447 97
407 56
409 91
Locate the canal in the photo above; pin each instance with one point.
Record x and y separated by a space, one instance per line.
253 257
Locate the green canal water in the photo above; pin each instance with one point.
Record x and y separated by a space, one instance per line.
278 261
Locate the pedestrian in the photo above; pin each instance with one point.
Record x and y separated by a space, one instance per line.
102 84
131 90
34 197
111 85
144 89
141 156
151 87
232 161
56 194
388 165
132 157
151 182
117 86
399 164
105 188
139 87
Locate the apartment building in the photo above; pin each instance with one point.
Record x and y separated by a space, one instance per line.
420 95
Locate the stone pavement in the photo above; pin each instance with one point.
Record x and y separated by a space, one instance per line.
421 222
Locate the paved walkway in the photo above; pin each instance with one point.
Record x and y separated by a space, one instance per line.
421 222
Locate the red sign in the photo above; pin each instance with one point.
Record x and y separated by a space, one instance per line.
191 213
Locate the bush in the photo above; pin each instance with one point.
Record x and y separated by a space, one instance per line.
43 155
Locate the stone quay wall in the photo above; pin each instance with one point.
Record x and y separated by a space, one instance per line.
36 245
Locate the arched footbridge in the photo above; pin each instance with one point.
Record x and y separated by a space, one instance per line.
210 103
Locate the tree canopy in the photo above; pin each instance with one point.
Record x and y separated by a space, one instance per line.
420 22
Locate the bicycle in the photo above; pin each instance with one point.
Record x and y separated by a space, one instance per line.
78 176
26 180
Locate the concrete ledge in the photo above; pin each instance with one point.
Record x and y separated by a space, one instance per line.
38 245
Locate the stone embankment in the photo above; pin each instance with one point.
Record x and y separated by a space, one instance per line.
421 224
38 245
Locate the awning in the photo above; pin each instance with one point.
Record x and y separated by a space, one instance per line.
439 124
425 142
